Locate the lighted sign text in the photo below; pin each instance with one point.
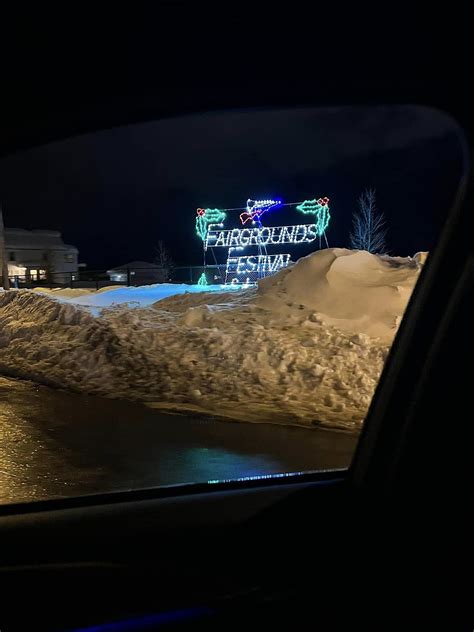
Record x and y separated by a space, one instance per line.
265 236
241 269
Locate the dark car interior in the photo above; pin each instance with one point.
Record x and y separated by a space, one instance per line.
385 544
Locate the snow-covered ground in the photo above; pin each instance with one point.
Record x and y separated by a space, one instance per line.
305 347
112 295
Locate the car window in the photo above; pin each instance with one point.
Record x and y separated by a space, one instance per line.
211 297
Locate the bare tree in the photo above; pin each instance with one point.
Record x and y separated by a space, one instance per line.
368 225
164 260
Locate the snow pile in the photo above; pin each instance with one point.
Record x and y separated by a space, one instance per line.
299 349
353 290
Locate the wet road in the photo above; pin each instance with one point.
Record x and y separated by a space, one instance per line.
54 443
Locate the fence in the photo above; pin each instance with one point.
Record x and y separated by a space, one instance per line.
97 279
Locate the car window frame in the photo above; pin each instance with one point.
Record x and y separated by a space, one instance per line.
361 469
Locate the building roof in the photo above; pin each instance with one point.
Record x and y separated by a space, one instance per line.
35 239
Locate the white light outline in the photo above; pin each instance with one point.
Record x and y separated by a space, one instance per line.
288 238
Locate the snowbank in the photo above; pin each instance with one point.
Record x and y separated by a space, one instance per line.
116 295
353 290
306 347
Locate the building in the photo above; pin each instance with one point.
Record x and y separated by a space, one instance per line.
138 273
39 255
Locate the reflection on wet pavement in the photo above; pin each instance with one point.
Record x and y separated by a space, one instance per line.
54 443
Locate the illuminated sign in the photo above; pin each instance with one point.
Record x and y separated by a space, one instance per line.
257 238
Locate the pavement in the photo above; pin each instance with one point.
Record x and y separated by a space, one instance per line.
55 444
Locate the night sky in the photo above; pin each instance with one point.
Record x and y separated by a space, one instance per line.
115 193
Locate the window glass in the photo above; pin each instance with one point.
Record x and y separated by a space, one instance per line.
239 281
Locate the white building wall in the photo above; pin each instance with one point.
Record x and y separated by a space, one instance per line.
38 255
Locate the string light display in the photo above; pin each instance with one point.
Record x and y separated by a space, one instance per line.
202 280
265 236
248 268
320 209
266 264
205 217
256 208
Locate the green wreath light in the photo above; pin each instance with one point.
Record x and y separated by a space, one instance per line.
320 209
206 216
